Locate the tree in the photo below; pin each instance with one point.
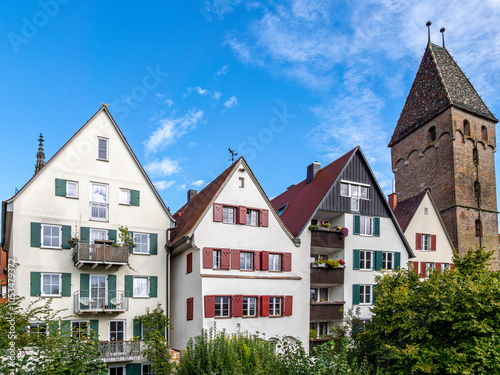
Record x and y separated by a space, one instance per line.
156 350
448 323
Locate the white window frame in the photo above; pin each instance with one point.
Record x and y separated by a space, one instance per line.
92 184
99 139
225 306
79 322
60 284
40 324
247 263
365 256
136 248
276 306
386 262
148 287
426 242
272 262
59 246
68 183
150 372
429 267
117 366
216 259
252 218
356 191
120 201
445 266
250 305
124 329
365 293
366 226
241 182
226 215
94 231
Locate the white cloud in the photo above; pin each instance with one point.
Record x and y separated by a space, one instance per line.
231 102
169 102
216 95
197 183
165 167
222 70
219 8
242 50
201 91
181 187
164 185
170 129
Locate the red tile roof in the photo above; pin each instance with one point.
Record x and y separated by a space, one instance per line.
439 84
405 210
303 199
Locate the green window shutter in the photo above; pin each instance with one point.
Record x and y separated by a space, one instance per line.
129 285
36 234
378 260
153 244
94 325
355 262
376 226
84 234
84 285
153 286
133 369
36 287
131 248
60 187
357 224
65 327
373 293
134 197
53 327
137 329
66 285
112 235
111 289
397 261
355 294
66 233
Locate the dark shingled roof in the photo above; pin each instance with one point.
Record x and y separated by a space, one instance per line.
439 84
406 209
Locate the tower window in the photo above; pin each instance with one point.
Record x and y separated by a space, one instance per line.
432 134
484 133
477 191
479 228
475 156
466 128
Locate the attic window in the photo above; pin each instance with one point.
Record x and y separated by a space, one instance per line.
241 182
466 128
282 208
426 210
484 133
102 148
432 134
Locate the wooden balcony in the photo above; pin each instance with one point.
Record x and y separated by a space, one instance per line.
327 276
104 254
120 351
323 237
327 311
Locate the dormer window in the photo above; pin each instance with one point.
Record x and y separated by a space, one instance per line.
432 134
102 148
466 128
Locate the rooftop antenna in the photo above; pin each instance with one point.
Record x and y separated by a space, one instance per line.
233 154
428 24
442 33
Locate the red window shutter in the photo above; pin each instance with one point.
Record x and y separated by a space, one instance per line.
225 259
452 266
242 215
288 305
264 264
264 306
264 218
438 267
422 269
235 259
237 306
189 263
209 306
419 241
415 267
218 212
433 242
287 262
208 259
189 309
256 261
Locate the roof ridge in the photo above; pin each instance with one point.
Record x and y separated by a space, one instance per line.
440 74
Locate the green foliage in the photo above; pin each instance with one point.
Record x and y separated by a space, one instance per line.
125 236
22 352
156 348
446 324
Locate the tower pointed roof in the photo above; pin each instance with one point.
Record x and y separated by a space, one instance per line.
439 84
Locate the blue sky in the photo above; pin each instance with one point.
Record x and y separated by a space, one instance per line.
284 83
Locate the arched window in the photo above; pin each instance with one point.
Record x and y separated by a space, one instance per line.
466 128
484 133
432 134
479 228
477 192
475 156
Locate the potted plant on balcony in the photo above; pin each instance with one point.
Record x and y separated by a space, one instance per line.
126 238
73 241
313 333
313 227
344 232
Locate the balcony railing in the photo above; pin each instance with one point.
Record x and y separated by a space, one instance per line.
323 237
104 254
120 351
326 311
99 211
326 275
96 301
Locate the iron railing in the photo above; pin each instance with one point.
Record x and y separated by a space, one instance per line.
101 254
95 301
120 351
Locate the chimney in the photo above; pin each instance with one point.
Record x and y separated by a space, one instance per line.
312 171
191 193
40 155
393 200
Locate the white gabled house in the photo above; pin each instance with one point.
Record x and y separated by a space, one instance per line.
93 185
234 263
343 197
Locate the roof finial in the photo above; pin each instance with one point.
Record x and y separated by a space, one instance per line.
40 155
233 154
428 24
442 33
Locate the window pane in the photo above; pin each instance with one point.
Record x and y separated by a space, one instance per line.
103 148
364 192
141 287
344 189
124 196
141 243
72 189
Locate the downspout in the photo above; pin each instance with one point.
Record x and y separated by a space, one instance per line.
167 249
